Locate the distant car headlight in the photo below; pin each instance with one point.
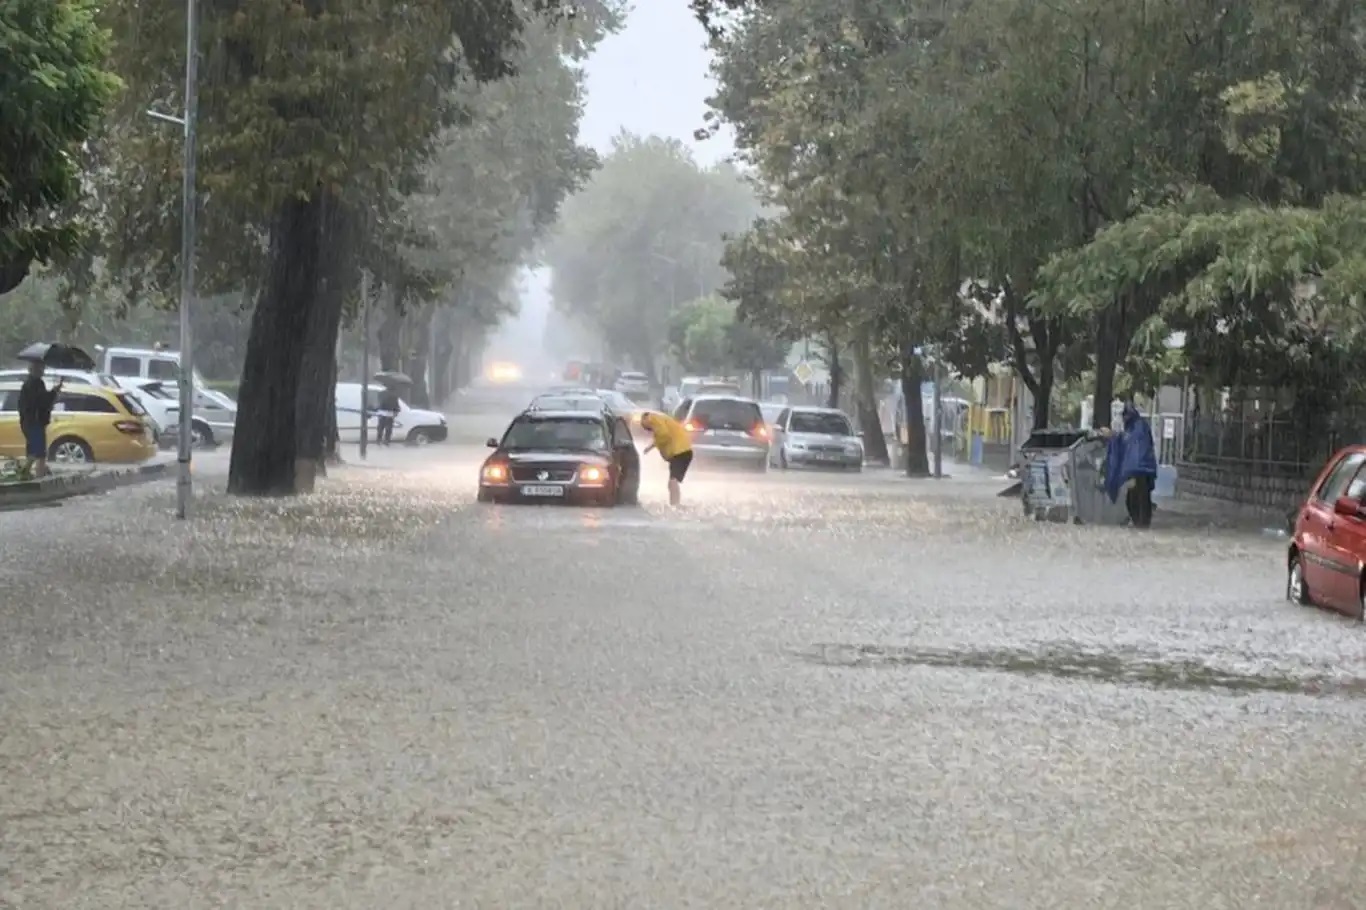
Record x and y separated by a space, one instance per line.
796 445
495 474
592 476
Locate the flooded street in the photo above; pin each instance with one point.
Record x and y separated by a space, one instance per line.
799 690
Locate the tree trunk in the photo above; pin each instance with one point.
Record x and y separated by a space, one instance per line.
332 451
1109 341
1043 397
390 333
265 442
874 442
316 415
836 373
442 349
912 378
419 345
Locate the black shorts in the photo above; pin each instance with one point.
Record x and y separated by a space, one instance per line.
678 466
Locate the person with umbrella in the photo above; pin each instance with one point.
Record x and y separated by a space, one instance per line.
36 401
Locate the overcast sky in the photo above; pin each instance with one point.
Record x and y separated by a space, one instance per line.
652 77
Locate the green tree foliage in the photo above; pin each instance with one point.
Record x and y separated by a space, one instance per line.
707 336
53 89
646 233
313 116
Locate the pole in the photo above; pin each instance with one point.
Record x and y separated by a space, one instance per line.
364 363
188 202
938 415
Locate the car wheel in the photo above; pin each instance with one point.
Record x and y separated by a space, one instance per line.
201 435
1361 599
1296 590
70 450
630 494
485 495
419 437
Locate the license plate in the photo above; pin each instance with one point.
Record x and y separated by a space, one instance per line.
542 491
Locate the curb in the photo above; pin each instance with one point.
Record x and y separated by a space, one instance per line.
58 487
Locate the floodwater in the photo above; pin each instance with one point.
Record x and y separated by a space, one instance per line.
799 690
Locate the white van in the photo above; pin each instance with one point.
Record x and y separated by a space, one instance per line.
215 414
412 425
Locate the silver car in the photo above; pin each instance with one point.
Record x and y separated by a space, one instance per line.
817 437
726 431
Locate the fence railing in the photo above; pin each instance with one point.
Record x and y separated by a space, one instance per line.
1268 446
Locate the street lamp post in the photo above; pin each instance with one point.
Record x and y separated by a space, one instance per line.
188 207
364 364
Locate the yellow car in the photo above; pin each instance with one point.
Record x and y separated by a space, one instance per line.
89 424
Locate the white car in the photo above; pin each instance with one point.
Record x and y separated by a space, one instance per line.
635 386
212 423
414 426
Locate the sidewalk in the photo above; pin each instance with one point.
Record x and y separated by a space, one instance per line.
67 481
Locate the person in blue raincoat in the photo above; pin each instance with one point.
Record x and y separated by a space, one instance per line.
1131 465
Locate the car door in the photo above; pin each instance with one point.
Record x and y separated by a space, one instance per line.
11 437
624 452
1347 548
1324 570
684 406
779 432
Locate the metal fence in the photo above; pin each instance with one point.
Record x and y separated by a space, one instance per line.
1268 446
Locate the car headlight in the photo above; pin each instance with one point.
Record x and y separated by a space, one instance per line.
495 474
592 476
797 445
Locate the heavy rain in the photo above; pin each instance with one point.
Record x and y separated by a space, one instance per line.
704 453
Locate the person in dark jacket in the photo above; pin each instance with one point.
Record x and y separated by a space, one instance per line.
35 413
388 410
1131 465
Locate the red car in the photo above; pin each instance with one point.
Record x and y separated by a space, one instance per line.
1327 558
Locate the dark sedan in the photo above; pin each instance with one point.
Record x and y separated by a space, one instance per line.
581 457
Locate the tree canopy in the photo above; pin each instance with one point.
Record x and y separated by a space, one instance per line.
53 89
643 236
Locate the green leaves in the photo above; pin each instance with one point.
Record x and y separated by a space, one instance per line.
645 233
53 89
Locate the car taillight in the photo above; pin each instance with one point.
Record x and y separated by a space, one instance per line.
131 427
495 473
760 431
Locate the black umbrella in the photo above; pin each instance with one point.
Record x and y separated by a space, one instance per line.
58 356
390 378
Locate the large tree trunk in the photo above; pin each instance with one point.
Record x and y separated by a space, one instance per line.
442 349
419 344
316 415
836 372
264 446
874 442
1109 351
912 378
390 333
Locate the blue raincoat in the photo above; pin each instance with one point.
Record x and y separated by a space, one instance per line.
1130 454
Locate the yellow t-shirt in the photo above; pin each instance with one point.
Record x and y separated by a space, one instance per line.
671 437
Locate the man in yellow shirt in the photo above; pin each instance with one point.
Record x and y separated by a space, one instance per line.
674 443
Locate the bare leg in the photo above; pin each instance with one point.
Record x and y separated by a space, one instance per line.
675 492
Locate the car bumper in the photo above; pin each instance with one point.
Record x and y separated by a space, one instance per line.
435 433
572 494
737 456
809 459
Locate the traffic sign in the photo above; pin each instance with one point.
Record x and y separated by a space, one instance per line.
803 372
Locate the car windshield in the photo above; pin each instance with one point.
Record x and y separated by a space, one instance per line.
555 433
819 422
156 390
726 414
718 389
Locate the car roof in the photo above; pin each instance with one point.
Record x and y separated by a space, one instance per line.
81 387
813 409
697 398
558 414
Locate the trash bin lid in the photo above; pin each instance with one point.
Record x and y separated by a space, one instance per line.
1053 439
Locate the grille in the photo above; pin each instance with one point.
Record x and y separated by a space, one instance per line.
532 474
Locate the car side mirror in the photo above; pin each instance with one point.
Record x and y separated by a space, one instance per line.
1345 505
491 443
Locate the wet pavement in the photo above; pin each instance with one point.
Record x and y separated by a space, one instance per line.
800 690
